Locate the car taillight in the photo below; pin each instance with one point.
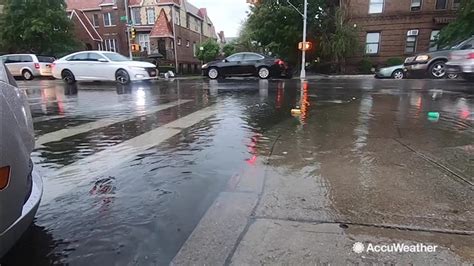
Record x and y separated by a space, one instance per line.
279 62
37 65
4 176
470 56
53 65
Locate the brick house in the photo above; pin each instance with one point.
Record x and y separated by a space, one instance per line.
170 28
397 29
98 26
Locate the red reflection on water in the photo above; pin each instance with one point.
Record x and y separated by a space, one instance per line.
280 95
304 102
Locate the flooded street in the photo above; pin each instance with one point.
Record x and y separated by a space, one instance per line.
130 171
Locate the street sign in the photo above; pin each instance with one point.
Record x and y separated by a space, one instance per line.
123 18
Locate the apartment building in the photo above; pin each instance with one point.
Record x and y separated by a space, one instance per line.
397 29
173 29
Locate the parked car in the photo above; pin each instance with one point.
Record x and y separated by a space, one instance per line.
102 66
247 64
28 66
461 62
394 72
433 64
21 187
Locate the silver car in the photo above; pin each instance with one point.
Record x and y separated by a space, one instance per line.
394 72
21 187
28 66
462 62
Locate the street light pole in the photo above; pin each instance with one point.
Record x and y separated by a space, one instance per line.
303 52
128 31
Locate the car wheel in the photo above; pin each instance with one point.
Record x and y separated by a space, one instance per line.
68 77
122 77
27 75
263 72
398 74
452 76
438 70
213 73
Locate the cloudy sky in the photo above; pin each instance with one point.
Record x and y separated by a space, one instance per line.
226 15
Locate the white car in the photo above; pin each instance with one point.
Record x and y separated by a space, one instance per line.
102 66
21 187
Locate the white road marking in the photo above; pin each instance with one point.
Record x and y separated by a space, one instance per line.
68 132
82 171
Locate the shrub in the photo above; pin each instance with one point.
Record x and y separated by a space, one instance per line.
394 61
365 66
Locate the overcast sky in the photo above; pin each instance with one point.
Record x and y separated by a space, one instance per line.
226 15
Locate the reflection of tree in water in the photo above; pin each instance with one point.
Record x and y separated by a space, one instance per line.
36 247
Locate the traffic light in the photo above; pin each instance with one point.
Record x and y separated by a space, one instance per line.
133 33
135 48
305 46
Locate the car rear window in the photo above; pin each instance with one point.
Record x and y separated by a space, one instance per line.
26 58
45 59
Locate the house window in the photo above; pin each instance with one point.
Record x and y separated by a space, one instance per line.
179 41
188 24
108 19
194 49
416 5
410 46
95 20
144 42
441 4
456 4
136 17
150 16
187 43
196 25
372 43
111 45
375 6
177 16
433 39
172 45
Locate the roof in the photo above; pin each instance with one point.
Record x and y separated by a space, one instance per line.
162 27
86 24
83 4
190 8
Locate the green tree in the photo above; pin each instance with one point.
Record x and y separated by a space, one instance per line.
341 42
460 29
210 50
228 49
36 26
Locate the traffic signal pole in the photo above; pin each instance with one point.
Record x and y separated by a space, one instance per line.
303 51
128 31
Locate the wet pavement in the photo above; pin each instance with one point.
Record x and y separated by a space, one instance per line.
130 171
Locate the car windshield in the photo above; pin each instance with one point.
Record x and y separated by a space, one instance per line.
240 132
116 57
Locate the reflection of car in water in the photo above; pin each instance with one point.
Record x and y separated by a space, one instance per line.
462 62
28 66
247 64
102 66
433 64
21 187
394 72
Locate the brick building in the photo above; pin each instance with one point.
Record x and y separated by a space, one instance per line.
397 29
172 28
98 25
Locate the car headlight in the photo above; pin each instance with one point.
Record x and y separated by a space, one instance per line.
205 66
422 58
137 68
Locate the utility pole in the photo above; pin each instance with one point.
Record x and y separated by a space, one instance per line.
303 52
128 31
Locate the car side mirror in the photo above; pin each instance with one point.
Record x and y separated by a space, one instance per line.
225 61
102 60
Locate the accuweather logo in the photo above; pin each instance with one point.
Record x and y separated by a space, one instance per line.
359 247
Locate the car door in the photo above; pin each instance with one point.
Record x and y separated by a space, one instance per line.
232 65
78 65
13 63
96 67
250 62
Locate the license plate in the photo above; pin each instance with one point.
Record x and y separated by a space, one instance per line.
48 66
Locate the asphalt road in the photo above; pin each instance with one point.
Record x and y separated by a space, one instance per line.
130 170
